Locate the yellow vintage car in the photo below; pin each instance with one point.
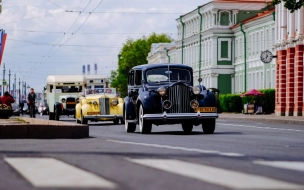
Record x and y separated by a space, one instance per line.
101 104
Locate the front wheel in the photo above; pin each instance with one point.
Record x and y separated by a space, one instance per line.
208 126
83 120
56 114
51 116
187 127
145 127
130 127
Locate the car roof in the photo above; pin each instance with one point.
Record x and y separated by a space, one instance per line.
161 65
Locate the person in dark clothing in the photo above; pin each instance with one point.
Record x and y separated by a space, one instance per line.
21 105
31 99
7 99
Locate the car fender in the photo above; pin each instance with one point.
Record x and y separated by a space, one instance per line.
85 108
129 108
208 100
77 110
149 100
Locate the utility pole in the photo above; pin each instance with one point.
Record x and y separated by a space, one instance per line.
9 81
19 91
3 78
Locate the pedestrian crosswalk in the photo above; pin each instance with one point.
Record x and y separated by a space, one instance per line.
49 172
298 166
217 176
53 173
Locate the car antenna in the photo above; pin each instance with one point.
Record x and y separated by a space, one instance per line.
169 73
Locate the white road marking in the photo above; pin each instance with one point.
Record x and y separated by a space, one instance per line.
217 176
182 148
52 173
249 126
298 166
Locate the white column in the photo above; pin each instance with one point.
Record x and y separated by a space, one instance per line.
214 51
234 16
284 22
214 80
291 25
300 22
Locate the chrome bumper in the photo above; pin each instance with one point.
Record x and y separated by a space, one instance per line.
103 117
174 116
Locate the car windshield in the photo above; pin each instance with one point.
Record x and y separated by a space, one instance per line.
168 75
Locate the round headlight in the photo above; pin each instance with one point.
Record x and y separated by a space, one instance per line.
194 104
167 104
63 100
196 90
94 103
162 91
114 102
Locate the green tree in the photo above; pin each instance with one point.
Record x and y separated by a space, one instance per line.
291 5
133 53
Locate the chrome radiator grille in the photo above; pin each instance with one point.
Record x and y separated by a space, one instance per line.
104 104
179 95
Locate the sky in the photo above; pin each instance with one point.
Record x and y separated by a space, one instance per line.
57 37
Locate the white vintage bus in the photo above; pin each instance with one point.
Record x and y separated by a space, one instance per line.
62 94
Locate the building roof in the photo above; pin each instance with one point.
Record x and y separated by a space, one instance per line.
258 16
227 1
65 79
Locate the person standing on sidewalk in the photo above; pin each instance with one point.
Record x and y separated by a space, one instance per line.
31 99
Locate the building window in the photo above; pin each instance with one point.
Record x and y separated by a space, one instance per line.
224 49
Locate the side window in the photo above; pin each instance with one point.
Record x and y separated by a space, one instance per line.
131 78
138 77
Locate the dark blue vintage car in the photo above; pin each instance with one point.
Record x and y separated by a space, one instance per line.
164 94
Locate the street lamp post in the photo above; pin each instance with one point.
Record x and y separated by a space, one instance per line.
15 86
3 78
28 87
9 80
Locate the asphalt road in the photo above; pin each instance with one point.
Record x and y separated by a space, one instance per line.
240 155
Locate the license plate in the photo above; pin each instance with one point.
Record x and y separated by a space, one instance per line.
93 113
205 109
71 103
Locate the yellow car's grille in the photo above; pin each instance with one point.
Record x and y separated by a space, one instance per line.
104 106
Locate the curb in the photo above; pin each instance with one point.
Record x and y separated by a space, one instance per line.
266 119
43 129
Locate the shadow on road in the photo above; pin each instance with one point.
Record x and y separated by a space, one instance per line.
192 133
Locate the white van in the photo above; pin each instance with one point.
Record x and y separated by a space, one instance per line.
63 92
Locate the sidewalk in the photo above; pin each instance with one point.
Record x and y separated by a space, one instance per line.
267 117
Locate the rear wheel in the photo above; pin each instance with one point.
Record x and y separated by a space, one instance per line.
51 116
116 121
187 127
208 126
145 127
130 127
